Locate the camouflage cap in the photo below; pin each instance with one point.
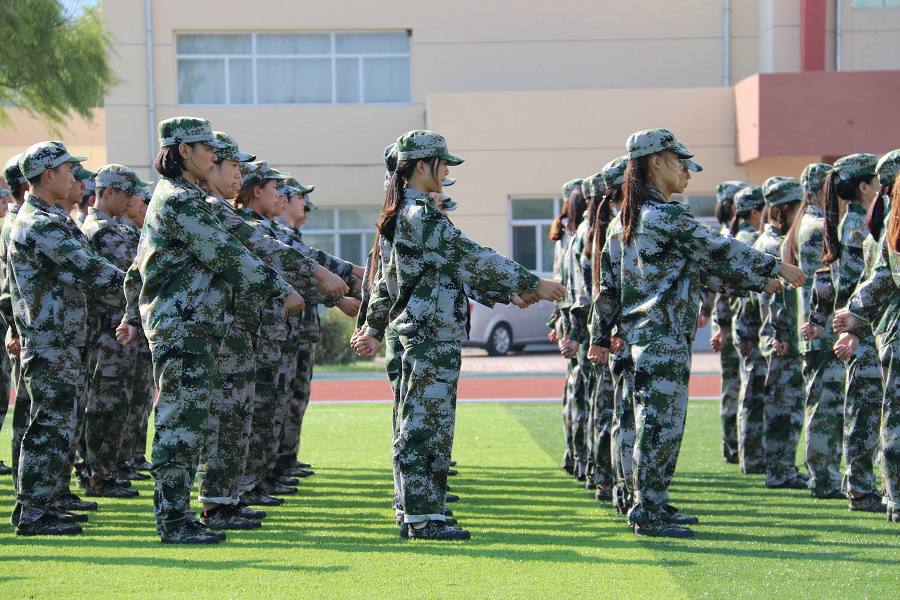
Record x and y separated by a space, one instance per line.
255 172
82 174
4 192
119 177
593 186
12 173
187 130
89 188
570 186
448 181
726 190
691 165
43 156
888 166
613 172
855 165
749 198
449 205
299 187
390 158
651 141
424 144
813 176
782 190
232 152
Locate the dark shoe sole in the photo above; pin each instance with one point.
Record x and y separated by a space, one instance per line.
680 532
249 524
67 530
212 539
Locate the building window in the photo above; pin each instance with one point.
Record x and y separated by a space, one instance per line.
863 4
293 68
530 232
347 233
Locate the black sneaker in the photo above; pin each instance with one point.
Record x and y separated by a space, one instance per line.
5 469
188 532
603 494
258 498
227 517
71 501
730 460
141 464
674 516
868 503
452 472
130 474
794 482
893 515
272 488
448 512
109 489
48 524
302 465
452 463
287 480
219 534
621 499
451 498
65 516
827 495
450 521
438 530
249 513
661 528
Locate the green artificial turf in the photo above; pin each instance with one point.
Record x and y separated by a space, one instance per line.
536 533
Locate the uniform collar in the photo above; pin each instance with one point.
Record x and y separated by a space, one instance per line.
857 208
771 229
99 214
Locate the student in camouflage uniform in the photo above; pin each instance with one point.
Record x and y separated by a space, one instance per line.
746 227
21 404
855 182
722 341
50 272
783 397
429 314
5 364
304 327
657 311
182 305
823 373
133 459
113 374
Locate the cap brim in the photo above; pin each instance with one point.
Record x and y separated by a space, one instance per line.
214 143
244 157
75 159
448 181
310 204
681 150
692 166
452 160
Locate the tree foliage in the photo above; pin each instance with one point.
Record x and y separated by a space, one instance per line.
53 64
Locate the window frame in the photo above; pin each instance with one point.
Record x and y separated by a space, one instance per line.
537 224
254 56
336 232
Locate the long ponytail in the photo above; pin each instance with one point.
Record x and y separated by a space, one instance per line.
635 194
598 232
875 214
557 227
831 250
789 249
894 225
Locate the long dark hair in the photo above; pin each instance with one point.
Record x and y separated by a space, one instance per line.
725 211
894 225
782 215
635 193
875 214
735 225
597 233
558 227
245 196
393 198
575 214
835 189
789 250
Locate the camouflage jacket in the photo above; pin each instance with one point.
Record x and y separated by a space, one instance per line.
430 261
754 322
51 271
366 287
111 240
578 285
133 238
185 262
653 285
745 322
5 299
834 285
559 275
878 297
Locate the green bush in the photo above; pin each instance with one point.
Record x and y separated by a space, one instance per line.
334 341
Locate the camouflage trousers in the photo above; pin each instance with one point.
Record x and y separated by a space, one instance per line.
862 418
784 416
185 372
600 415
578 410
393 361
5 379
55 379
825 376
751 412
224 453
426 416
569 456
658 388
20 419
268 412
622 431
890 424
134 442
298 382
730 362
108 406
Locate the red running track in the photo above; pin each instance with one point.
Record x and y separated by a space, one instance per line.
477 388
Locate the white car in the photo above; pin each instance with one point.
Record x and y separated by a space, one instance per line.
506 327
